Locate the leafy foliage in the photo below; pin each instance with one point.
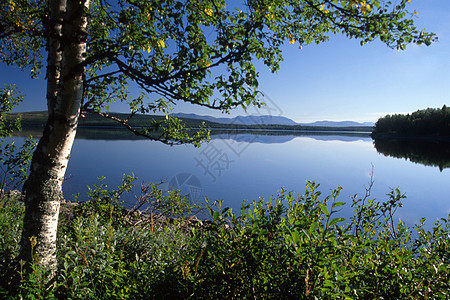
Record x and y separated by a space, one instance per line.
168 203
298 248
287 247
107 204
14 160
11 211
199 52
9 98
203 53
14 163
21 26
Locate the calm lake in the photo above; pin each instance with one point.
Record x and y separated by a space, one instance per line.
245 166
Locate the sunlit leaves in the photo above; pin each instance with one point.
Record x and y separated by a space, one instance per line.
13 159
364 7
322 9
172 132
202 37
209 12
161 43
10 97
200 52
21 34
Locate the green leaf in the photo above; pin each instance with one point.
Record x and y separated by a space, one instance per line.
324 210
338 203
295 236
328 283
313 227
336 220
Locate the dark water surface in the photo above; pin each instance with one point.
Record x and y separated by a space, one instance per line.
235 167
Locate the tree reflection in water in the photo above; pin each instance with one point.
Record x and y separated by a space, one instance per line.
429 152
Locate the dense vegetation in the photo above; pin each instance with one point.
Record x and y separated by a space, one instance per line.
286 247
432 122
151 55
14 159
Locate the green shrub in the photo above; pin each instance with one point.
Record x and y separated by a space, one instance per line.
102 261
11 214
289 247
14 161
107 204
104 254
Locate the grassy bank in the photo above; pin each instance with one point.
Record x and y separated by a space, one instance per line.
288 247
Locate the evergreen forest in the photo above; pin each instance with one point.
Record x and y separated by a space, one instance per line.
430 122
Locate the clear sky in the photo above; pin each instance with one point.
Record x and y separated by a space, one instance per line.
338 80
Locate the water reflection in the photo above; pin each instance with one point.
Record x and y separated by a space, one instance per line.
248 136
279 137
426 151
259 165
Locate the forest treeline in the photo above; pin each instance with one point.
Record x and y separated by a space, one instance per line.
433 122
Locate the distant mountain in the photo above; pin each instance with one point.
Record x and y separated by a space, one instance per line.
268 120
38 119
241 120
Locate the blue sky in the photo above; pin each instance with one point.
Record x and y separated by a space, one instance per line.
338 80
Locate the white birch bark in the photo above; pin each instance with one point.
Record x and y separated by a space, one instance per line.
54 59
43 189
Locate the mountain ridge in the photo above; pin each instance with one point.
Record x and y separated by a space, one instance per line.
38 118
270 120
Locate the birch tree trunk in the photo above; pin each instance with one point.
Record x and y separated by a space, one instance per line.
43 189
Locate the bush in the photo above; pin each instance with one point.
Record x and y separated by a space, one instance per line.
108 252
295 248
286 247
11 214
103 262
14 161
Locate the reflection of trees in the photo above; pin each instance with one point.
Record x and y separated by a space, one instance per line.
428 152
272 136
